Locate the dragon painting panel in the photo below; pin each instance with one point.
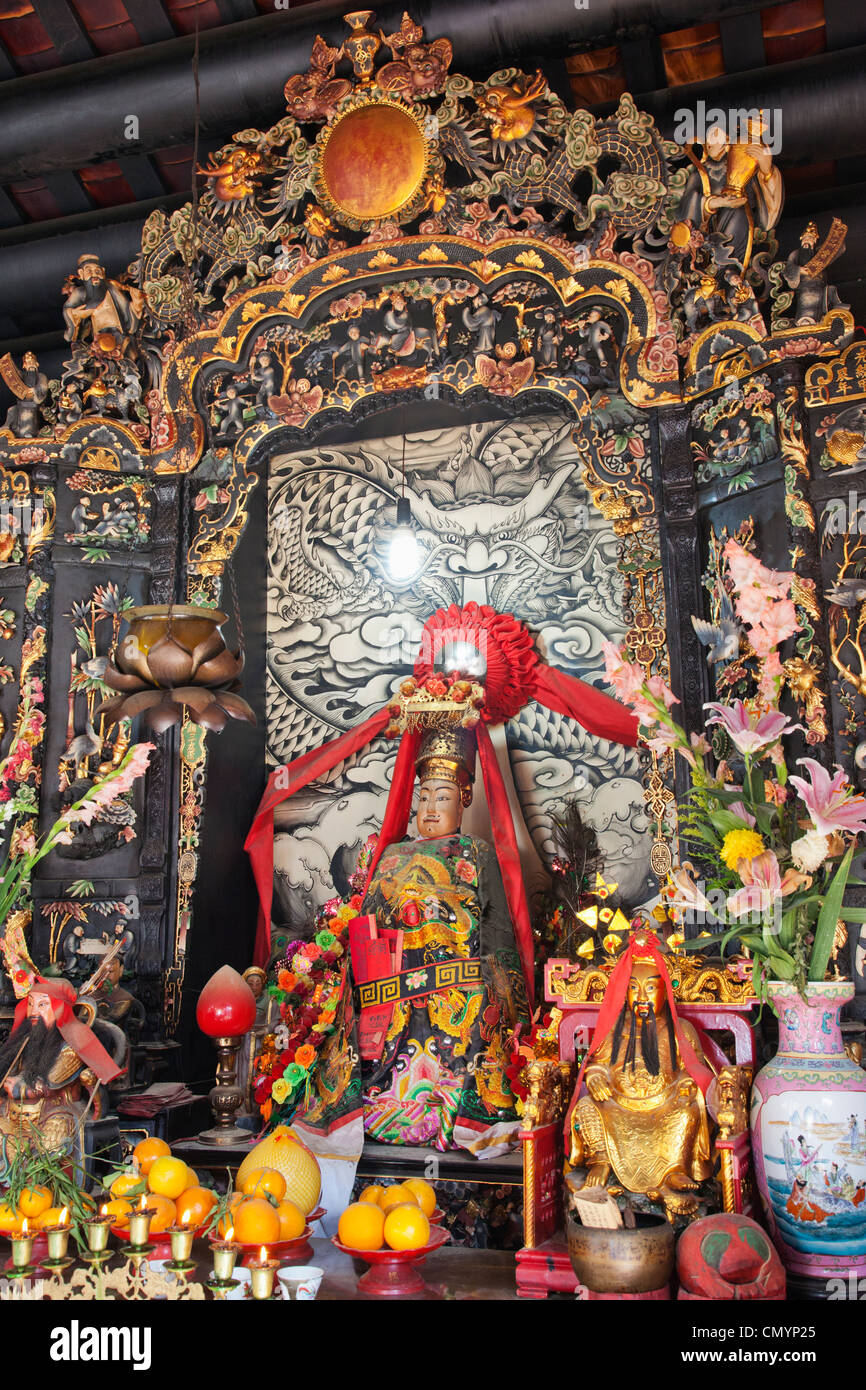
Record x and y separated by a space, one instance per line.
502 517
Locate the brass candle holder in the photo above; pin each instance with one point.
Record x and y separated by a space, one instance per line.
139 1230
262 1275
98 1229
225 1254
22 1249
58 1245
181 1248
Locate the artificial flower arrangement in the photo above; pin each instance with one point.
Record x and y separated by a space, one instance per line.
778 847
309 982
19 807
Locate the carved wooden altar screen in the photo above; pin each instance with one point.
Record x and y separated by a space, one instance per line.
591 391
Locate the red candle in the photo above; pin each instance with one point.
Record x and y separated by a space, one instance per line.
226 1006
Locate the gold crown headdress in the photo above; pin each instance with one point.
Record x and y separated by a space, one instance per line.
446 708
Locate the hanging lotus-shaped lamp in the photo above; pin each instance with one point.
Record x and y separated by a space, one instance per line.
173 659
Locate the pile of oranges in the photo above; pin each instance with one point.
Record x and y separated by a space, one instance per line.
36 1205
397 1216
260 1213
172 1190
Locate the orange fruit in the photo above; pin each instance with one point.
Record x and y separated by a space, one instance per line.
147 1151
166 1213
195 1205
361 1226
373 1193
51 1217
425 1194
299 1166
397 1196
292 1220
256 1222
34 1201
194 1179
406 1228
227 1222
168 1177
10 1217
264 1182
128 1185
119 1208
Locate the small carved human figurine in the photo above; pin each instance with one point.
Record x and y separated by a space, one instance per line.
547 341
98 305
50 1063
229 406
481 320
265 374
355 352
644 1122
24 419
732 189
599 340
805 273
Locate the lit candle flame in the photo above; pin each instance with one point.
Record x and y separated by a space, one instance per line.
142 1206
103 1210
263 1255
64 1217
185 1218
229 1233
25 1229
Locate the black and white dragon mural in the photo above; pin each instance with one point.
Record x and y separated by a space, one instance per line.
502 517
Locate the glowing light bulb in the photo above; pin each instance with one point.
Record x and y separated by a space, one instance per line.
403 551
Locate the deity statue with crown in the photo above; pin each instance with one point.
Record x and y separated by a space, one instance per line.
440 1079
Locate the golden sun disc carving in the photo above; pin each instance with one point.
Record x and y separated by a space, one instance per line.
373 163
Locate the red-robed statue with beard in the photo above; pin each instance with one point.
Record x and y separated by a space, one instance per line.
53 1066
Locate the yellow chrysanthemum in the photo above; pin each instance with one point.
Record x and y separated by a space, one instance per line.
741 844
280 1090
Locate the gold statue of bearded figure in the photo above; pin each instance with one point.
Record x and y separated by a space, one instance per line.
644 1119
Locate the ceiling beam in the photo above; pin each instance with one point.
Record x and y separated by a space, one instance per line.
65 119
150 21
69 38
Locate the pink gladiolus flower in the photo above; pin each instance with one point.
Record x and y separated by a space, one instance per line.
748 733
830 801
778 623
756 585
626 678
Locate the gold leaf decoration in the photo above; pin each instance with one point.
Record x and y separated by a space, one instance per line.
619 290
485 268
333 273
530 259
570 287
253 310
381 261
434 254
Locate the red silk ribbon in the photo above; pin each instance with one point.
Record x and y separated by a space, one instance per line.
641 943
505 843
79 1037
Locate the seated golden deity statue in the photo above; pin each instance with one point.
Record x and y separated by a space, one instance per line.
644 1122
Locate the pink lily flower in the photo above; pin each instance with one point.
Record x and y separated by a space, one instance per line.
738 809
750 734
686 893
763 884
831 802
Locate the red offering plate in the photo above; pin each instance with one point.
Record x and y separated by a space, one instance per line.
289 1252
393 1273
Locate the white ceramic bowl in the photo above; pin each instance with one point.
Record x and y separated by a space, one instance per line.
300 1282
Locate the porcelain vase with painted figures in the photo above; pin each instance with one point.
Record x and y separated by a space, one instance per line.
809 1136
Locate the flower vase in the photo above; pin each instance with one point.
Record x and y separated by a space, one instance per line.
808 1120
